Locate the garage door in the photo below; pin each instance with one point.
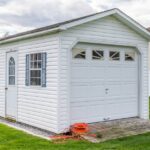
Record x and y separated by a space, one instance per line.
104 83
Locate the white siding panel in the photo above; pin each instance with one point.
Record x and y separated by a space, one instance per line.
149 82
37 106
106 29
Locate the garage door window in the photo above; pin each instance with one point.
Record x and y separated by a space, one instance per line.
129 56
78 54
98 55
114 55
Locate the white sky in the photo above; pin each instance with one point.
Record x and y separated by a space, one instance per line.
21 15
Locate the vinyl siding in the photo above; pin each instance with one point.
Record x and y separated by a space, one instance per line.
108 29
37 106
2 83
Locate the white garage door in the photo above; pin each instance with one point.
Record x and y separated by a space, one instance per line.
104 83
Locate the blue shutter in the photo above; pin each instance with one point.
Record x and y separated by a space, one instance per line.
27 79
43 76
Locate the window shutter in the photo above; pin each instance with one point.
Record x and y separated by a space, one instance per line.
43 77
27 79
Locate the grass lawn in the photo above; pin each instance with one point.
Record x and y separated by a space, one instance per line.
11 139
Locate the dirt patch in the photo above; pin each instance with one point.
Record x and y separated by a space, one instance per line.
117 128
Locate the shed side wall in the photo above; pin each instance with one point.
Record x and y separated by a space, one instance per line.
37 106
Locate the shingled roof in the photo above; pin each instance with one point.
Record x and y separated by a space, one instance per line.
59 26
48 27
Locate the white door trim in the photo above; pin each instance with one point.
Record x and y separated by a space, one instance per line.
6 80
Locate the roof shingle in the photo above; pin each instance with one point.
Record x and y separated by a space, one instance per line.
47 27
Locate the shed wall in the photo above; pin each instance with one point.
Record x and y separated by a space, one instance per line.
37 106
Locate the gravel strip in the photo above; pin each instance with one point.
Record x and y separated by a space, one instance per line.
28 129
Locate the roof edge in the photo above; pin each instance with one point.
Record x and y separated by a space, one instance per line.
133 22
74 22
90 18
50 29
136 26
29 35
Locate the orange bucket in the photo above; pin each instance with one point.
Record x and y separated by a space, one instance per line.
79 128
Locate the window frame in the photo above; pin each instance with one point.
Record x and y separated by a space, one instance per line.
101 58
12 75
134 58
115 60
82 50
35 69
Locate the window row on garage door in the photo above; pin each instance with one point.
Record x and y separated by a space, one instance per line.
102 55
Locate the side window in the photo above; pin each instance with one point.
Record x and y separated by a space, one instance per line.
98 55
36 69
114 55
11 71
130 56
78 53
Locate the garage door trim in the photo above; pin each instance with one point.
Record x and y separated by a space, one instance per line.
101 42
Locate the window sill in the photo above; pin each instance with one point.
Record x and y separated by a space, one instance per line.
34 87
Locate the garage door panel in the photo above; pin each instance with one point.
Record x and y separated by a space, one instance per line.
97 108
83 112
80 72
120 112
96 91
119 99
121 88
85 102
129 89
104 89
83 91
114 89
97 72
80 91
97 82
129 74
113 73
77 82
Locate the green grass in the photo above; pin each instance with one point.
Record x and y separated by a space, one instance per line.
11 139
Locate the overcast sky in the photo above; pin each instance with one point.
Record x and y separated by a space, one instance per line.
21 15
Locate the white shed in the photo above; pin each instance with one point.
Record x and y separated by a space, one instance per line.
89 69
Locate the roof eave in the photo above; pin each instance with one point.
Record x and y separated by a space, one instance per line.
31 35
85 20
120 15
133 24
116 12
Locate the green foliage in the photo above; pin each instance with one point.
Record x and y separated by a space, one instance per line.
11 139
